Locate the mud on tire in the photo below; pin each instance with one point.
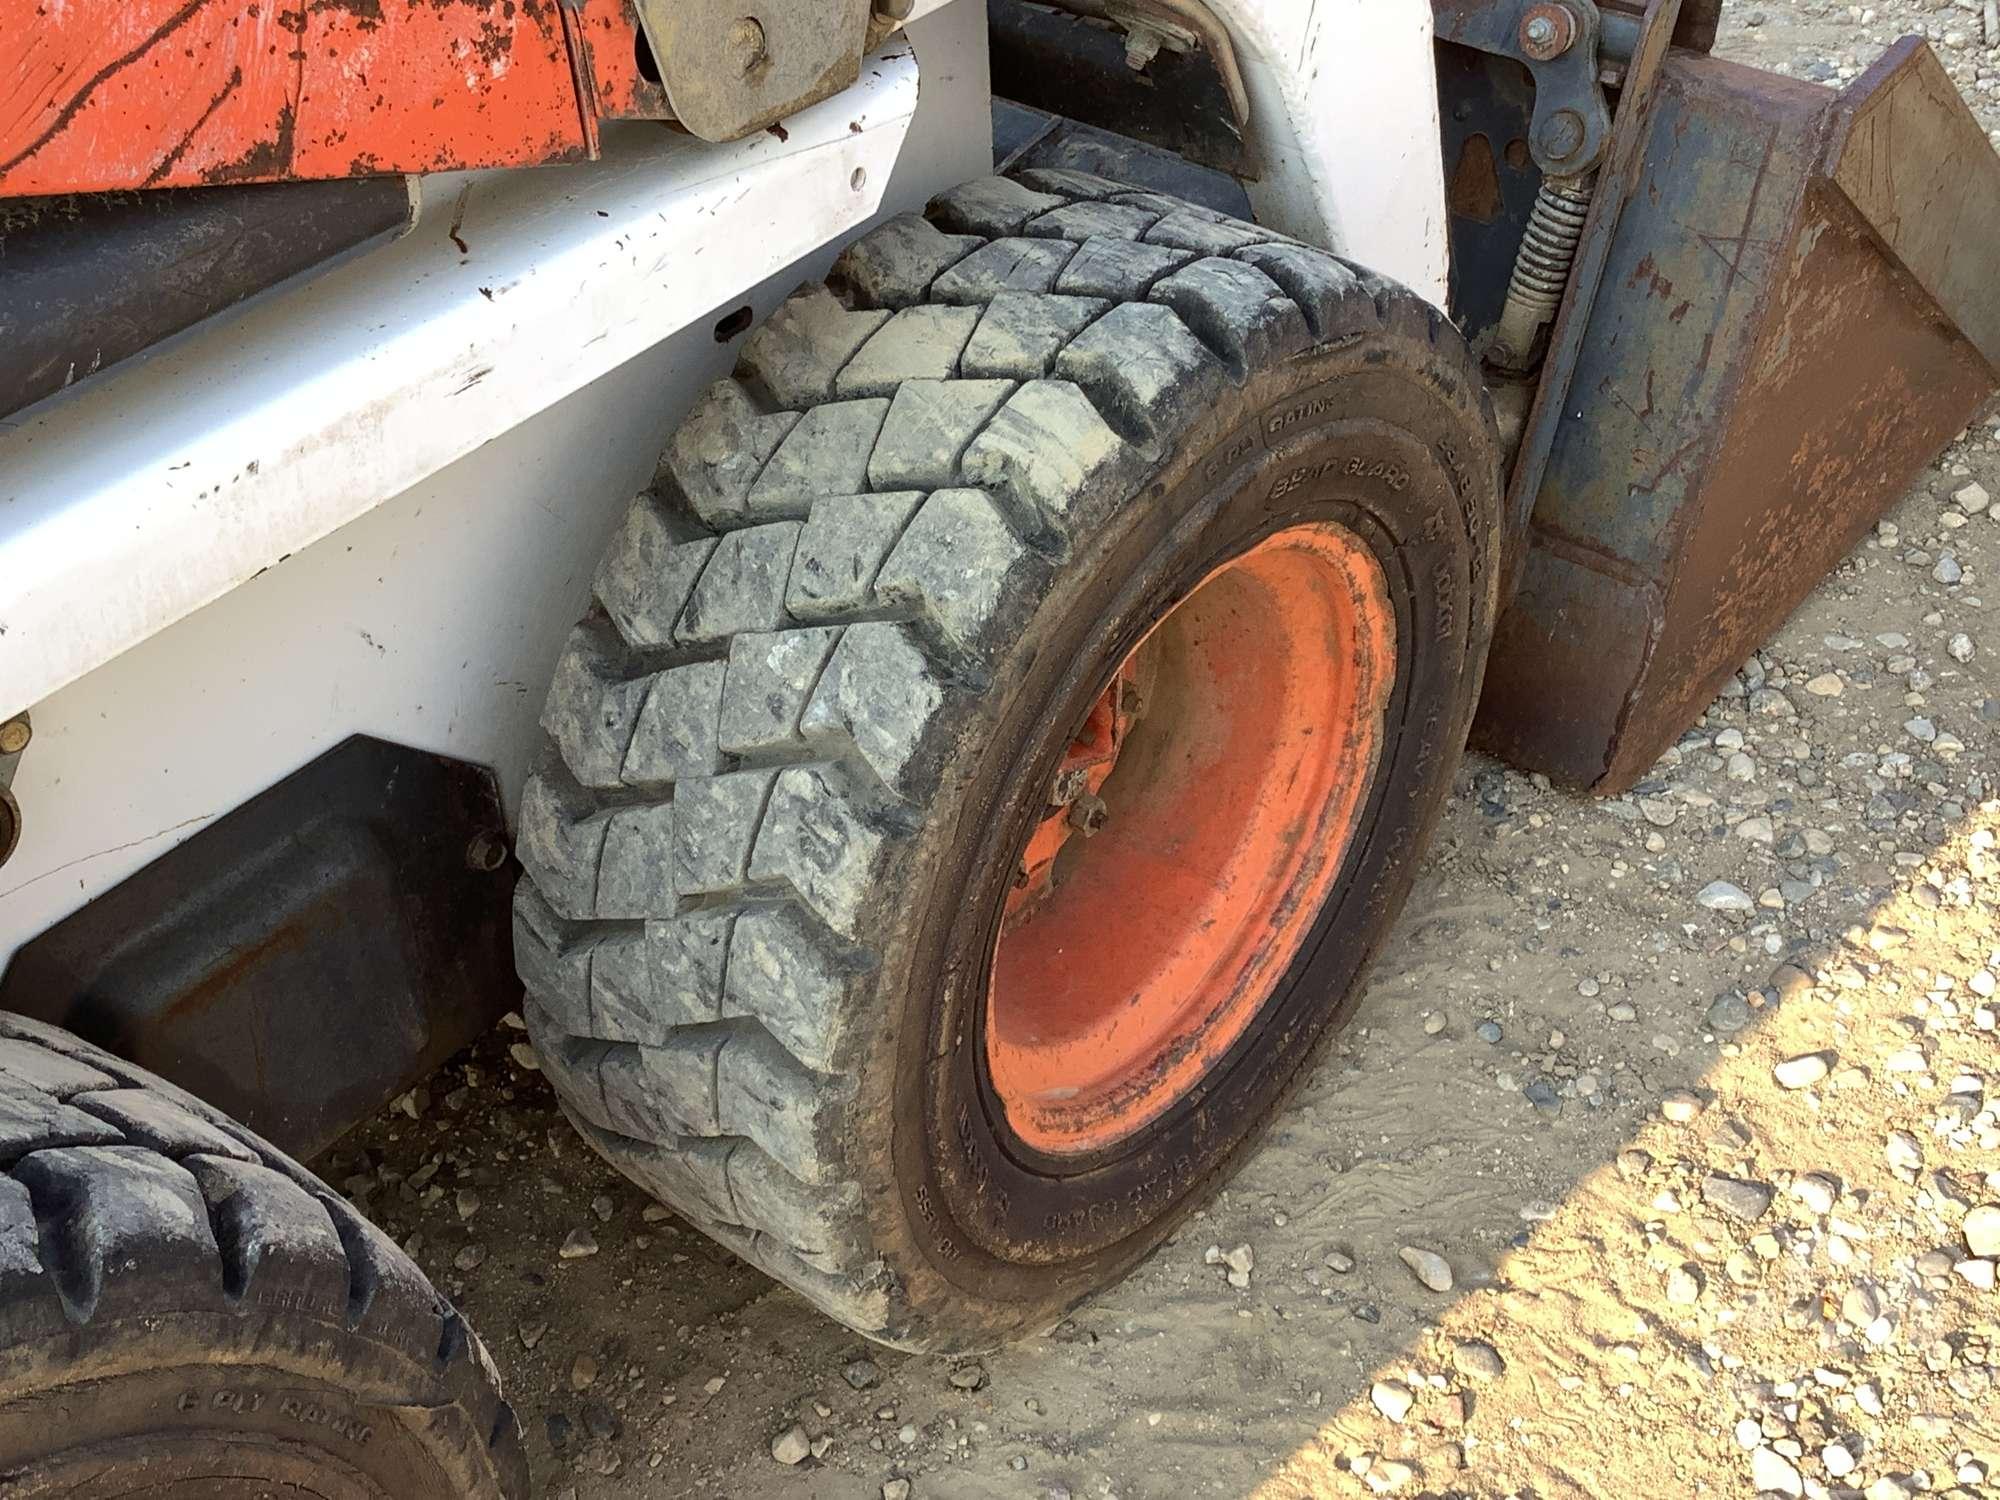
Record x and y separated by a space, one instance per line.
186 1310
881 572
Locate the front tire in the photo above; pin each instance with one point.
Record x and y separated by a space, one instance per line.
815 755
185 1311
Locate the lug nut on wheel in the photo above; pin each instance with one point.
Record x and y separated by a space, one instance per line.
1088 814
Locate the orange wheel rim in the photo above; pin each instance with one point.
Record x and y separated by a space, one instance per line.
1196 825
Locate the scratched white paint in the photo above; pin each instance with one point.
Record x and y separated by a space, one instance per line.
433 617
252 439
134 498
432 620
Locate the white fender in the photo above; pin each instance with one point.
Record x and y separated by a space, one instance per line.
1344 111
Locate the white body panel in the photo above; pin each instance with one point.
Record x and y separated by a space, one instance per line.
372 503
1344 113
196 469
473 454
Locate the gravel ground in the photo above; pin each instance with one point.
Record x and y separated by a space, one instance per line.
1660 1159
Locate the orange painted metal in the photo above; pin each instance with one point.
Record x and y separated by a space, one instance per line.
616 61
109 94
1230 798
1075 805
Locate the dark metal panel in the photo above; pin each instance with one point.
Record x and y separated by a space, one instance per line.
1694 31
1572 124
1676 314
1066 65
1016 127
306 957
1699 22
1024 137
1550 640
86 281
1486 105
1617 183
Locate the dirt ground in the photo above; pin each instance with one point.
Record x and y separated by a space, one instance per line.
1677 1267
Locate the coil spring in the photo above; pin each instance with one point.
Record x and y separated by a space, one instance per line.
1541 268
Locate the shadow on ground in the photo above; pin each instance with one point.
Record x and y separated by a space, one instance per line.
1575 1228
1622 1318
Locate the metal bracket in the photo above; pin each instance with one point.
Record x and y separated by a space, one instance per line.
1617 184
731 67
1558 42
14 736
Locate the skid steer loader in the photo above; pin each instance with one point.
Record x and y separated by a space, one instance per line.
1048 491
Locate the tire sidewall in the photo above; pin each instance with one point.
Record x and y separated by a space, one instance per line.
1379 436
296 1386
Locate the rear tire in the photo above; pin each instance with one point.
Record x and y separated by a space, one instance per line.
837 655
187 1312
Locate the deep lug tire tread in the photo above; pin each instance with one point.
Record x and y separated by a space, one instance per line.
908 453
124 1200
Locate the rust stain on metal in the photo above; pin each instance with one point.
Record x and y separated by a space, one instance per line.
1548 30
1648 272
1474 191
367 13
1832 268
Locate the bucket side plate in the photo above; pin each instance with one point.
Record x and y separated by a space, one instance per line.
1801 307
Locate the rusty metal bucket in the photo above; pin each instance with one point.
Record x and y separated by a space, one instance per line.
1801 306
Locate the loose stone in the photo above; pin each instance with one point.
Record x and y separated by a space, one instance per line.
1803 1071
1391 1398
791 1446
1432 1269
1736 1197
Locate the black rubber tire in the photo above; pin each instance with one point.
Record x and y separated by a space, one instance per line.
185 1311
881 575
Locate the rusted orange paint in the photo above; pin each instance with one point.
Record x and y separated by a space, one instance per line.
1087 765
610 43
97 95
1232 802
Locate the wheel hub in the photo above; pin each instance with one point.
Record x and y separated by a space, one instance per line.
1074 806
1194 830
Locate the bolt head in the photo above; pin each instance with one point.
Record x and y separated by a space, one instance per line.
486 852
1088 814
1562 134
747 43
1548 31
14 736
